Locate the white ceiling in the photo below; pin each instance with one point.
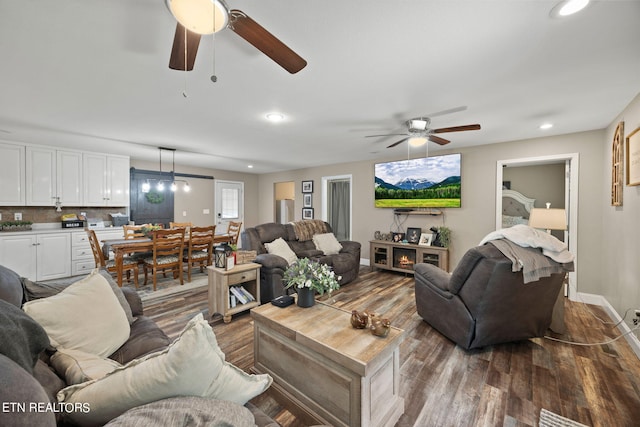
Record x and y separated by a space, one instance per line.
93 74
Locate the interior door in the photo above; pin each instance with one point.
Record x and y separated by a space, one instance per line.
229 204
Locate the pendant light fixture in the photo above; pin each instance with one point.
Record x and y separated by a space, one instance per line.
161 183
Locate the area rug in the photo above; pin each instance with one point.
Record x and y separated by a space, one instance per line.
550 419
167 286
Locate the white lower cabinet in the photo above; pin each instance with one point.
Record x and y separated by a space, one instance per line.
37 256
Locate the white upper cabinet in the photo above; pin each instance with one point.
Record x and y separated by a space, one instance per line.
106 180
53 176
12 175
69 178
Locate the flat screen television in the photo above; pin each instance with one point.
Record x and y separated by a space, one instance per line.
430 182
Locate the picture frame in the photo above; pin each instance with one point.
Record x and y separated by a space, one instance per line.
633 157
617 165
426 239
306 200
397 237
307 186
307 213
413 235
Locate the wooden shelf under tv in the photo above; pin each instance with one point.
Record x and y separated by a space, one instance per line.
382 255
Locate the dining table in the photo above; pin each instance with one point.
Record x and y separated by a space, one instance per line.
120 247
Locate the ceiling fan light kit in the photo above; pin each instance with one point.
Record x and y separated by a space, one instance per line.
568 7
200 16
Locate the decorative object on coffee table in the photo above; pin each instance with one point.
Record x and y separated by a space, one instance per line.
380 327
359 320
308 277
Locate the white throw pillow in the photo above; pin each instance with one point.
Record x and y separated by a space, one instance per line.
327 243
84 316
193 365
281 248
77 366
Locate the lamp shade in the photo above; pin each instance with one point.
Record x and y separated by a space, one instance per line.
549 219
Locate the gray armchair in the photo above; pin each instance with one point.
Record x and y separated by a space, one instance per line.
483 302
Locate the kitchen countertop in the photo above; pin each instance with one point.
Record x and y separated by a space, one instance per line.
42 228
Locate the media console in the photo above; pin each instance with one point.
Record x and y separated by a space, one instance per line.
395 256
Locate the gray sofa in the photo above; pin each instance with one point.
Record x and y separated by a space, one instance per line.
346 263
26 376
483 302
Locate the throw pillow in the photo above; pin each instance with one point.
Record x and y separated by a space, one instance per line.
77 366
186 410
37 290
22 339
327 243
85 316
281 248
193 365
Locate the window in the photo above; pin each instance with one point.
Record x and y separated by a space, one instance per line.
230 203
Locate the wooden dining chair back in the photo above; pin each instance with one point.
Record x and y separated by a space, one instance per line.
199 248
133 231
129 264
168 246
233 230
186 225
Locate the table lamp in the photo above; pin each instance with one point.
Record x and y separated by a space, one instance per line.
549 219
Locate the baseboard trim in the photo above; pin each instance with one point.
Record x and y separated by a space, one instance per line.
600 300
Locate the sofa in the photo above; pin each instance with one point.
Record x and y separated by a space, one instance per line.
299 236
30 384
483 302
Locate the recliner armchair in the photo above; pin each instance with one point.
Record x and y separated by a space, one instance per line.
483 302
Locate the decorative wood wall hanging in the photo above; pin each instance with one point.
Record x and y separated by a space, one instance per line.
633 158
617 164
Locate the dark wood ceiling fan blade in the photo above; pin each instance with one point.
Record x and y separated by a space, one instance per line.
265 42
438 140
176 61
457 128
396 143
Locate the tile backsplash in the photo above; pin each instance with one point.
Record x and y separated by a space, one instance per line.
39 214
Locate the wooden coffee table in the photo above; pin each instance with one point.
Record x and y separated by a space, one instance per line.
325 371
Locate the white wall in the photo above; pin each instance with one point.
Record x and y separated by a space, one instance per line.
620 245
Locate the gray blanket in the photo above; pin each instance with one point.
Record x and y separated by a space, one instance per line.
22 339
531 261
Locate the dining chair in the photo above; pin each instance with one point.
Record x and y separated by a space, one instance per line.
199 248
129 264
133 231
233 230
168 247
180 224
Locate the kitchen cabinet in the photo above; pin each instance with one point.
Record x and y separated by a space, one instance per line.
53 176
37 256
106 180
12 175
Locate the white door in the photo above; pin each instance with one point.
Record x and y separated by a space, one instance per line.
229 204
53 256
18 253
41 176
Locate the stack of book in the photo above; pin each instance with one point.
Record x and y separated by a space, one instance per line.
239 295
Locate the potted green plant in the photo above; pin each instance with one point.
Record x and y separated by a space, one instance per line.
15 225
308 277
444 236
148 230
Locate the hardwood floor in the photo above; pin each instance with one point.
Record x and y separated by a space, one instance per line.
444 385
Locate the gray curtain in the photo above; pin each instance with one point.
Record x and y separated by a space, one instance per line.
339 206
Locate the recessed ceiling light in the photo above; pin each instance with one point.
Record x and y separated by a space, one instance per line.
568 7
275 117
250 166
546 126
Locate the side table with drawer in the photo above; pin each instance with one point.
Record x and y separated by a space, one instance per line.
221 280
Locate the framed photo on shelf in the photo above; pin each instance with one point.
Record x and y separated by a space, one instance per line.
307 213
397 237
633 158
306 200
413 235
307 186
426 239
